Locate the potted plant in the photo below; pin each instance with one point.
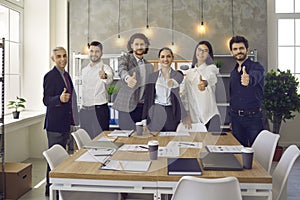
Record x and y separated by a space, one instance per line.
281 98
112 90
15 104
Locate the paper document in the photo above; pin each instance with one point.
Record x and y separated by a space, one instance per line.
224 148
108 139
134 147
120 133
174 134
127 165
96 155
183 144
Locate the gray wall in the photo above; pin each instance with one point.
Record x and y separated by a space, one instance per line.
250 19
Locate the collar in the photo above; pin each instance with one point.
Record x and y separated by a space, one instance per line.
137 59
60 70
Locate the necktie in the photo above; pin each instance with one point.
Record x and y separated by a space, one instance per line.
68 82
69 89
142 79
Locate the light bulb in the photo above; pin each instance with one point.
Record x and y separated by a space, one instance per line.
120 41
201 28
148 31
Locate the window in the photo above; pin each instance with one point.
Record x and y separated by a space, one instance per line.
10 29
288 42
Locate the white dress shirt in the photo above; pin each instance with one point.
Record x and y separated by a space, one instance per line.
201 105
94 89
163 91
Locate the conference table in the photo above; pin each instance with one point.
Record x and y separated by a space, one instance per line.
72 175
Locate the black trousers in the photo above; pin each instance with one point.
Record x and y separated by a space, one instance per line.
127 120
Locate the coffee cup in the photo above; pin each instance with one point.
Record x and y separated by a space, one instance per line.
153 149
139 128
247 154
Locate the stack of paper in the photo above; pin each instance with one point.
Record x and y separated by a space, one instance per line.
174 134
127 165
120 133
134 147
224 148
96 155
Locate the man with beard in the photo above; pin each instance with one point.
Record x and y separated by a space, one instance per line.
96 77
133 70
246 93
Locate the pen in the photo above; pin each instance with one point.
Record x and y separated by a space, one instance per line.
143 147
121 165
102 155
184 143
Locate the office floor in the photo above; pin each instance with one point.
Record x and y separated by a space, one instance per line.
39 168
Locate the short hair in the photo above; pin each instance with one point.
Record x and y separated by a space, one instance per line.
210 59
58 49
165 49
140 36
238 39
97 44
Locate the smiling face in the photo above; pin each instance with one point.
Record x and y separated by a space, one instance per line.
165 58
95 54
60 58
239 51
202 53
139 47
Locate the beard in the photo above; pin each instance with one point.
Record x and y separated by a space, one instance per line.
95 59
244 56
139 52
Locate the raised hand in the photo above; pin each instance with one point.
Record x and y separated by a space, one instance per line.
201 84
170 82
102 74
131 80
244 77
65 96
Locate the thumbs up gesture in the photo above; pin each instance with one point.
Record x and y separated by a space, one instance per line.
102 74
201 84
65 96
131 80
244 77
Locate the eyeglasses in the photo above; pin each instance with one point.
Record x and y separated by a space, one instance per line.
203 50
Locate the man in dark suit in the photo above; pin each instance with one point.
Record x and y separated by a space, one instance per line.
133 71
60 99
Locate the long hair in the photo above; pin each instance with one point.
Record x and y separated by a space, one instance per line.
210 58
140 36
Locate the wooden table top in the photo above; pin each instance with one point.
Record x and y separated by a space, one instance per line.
158 169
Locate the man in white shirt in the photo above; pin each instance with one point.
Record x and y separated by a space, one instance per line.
96 78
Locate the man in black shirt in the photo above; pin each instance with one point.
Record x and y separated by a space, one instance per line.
246 93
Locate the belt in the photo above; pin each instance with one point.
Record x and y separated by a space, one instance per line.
88 107
246 112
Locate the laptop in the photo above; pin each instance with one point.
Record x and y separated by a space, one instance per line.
220 161
102 144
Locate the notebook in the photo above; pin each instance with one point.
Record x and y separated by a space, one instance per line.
184 166
220 161
102 144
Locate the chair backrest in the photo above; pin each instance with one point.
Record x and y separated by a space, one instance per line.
193 188
264 147
196 127
81 138
282 171
55 155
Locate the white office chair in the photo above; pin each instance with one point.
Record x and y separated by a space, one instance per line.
57 154
264 147
193 188
281 174
196 127
81 138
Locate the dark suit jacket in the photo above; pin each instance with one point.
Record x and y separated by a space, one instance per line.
150 93
58 115
128 98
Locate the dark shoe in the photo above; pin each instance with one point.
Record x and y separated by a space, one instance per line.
47 191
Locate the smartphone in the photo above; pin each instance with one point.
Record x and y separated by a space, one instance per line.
219 133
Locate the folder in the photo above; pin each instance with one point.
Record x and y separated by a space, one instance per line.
219 161
184 166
